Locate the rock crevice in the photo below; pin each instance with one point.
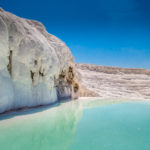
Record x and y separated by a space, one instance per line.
9 66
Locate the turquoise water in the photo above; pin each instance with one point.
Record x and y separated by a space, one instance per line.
78 125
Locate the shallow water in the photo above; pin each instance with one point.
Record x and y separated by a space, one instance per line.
78 125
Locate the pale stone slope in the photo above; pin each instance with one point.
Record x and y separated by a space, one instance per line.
114 82
36 68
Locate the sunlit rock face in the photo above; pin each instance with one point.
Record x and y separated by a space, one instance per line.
114 82
36 68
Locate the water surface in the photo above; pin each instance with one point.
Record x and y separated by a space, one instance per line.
79 125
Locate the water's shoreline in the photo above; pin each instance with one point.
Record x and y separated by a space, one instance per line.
108 98
84 99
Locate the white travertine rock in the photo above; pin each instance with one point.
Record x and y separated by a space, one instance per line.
114 82
36 68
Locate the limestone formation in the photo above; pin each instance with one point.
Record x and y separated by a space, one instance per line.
114 82
36 68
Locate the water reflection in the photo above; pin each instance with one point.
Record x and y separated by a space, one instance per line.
45 128
52 129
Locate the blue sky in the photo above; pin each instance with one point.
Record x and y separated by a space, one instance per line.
103 32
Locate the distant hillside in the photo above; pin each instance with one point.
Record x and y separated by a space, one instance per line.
114 82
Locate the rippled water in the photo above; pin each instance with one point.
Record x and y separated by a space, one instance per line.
78 125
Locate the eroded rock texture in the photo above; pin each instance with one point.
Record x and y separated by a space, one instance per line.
36 68
114 82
